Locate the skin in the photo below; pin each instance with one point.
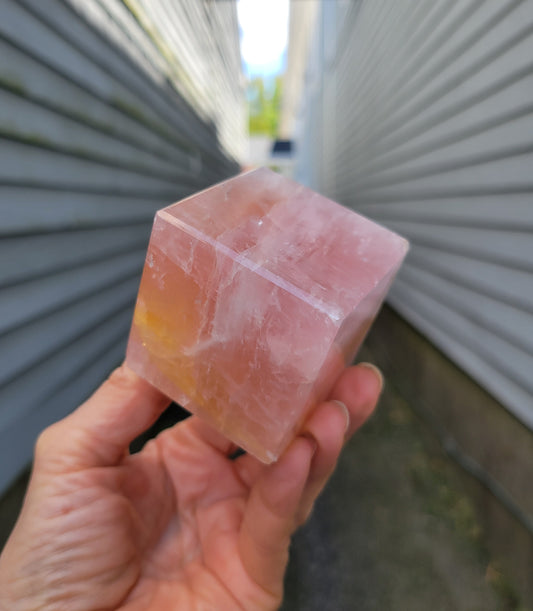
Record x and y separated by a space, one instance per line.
178 525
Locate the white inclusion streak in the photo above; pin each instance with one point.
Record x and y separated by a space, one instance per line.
333 312
200 347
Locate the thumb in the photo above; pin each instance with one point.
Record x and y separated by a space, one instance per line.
271 514
99 432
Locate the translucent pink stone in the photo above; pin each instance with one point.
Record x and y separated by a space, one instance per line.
255 294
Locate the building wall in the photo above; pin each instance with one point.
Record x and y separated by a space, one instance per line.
420 115
109 110
302 18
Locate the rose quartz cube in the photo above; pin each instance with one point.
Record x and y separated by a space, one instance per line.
255 294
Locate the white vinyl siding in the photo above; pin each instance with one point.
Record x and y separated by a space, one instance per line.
419 114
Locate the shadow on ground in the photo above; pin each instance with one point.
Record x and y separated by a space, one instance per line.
393 531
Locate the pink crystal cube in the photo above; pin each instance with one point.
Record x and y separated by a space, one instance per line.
255 294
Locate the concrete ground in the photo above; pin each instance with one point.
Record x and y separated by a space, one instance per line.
393 531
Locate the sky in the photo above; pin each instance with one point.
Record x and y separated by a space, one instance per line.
264 26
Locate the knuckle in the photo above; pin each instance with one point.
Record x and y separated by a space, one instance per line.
46 441
121 377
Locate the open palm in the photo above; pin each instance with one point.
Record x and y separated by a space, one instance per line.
179 525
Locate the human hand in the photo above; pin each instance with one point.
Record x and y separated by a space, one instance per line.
178 525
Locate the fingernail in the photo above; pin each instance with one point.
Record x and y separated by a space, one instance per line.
345 411
378 373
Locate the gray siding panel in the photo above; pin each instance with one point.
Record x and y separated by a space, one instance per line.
18 436
28 210
24 302
420 115
50 164
66 250
29 120
31 343
57 368
103 120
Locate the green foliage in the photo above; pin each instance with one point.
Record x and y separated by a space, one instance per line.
264 103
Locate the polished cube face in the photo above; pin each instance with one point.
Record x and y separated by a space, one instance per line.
255 294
